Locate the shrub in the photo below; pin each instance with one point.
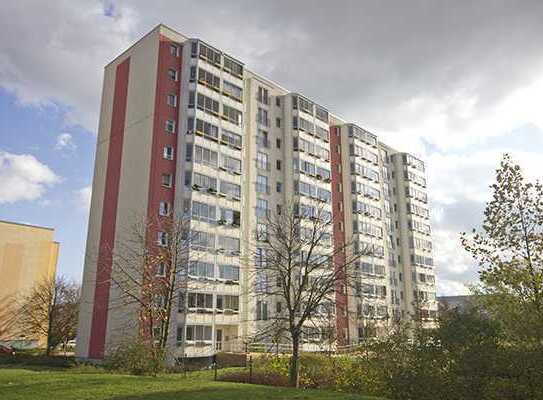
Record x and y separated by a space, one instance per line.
226 360
258 377
136 357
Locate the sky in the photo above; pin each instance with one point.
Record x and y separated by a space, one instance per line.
455 83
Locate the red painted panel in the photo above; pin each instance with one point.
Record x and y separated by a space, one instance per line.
338 215
164 86
109 212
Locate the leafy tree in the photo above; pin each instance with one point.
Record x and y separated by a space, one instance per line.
49 309
509 251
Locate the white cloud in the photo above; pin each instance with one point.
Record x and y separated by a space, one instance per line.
458 189
467 176
53 53
65 141
83 198
446 287
23 177
453 122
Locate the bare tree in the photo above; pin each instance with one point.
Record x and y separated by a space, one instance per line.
7 317
297 265
49 310
149 269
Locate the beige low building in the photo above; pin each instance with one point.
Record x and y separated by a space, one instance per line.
28 254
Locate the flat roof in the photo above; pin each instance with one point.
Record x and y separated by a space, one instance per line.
26 225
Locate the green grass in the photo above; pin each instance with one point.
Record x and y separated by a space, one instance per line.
62 384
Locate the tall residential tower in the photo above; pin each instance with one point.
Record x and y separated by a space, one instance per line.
186 129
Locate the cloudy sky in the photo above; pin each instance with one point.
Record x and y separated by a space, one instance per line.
457 83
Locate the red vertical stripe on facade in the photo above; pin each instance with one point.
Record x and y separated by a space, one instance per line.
165 85
338 215
109 212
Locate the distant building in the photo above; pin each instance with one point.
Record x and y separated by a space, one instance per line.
459 302
28 255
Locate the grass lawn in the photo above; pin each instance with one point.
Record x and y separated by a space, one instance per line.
59 384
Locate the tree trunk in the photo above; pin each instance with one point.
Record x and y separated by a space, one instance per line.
294 365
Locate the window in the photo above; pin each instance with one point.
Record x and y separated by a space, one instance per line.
207 129
278 165
261 208
203 240
278 307
262 95
228 216
172 100
200 300
168 153
203 212
299 103
233 67
261 232
232 91
303 125
205 156
262 184
231 114
278 102
261 311
278 122
167 180
174 50
278 143
162 239
262 117
204 182
231 164
229 272
260 257
262 138
230 189
199 333
231 138
201 269
170 126
230 244
262 161
164 208
207 104
208 79
321 114
172 74
279 187
161 269
227 302
210 55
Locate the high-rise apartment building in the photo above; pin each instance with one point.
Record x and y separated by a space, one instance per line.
186 129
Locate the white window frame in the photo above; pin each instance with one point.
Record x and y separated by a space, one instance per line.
161 269
175 76
174 50
164 209
167 153
162 239
170 180
169 126
171 99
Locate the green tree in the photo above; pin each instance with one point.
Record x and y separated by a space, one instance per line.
509 250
